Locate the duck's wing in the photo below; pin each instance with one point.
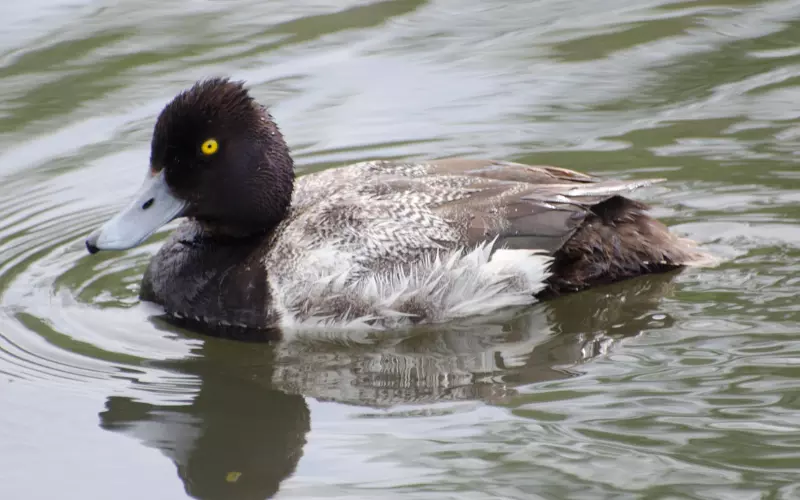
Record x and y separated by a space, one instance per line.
531 206
380 177
508 171
522 206
542 217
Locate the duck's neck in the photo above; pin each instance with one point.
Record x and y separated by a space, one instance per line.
226 234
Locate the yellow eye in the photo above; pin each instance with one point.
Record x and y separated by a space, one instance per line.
209 147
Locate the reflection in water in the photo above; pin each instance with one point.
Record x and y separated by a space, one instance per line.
244 432
483 360
238 439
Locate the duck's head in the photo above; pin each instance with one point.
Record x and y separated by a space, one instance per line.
216 156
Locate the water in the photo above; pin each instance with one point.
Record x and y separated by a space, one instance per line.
677 386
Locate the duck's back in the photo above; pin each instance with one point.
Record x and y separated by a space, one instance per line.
391 242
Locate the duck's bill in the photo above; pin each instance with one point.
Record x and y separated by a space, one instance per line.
153 206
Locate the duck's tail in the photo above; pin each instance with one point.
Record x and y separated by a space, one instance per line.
617 241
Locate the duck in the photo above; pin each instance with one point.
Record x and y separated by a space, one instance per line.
375 244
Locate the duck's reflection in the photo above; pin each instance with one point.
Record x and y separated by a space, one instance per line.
239 438
244 432
482 360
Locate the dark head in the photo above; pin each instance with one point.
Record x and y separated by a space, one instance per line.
216 156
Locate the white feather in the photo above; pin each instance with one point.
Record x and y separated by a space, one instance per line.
440 287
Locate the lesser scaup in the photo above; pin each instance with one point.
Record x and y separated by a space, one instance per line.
380 243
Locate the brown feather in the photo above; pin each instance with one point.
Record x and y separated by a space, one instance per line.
595 235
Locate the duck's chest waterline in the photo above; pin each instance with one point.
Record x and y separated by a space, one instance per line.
212 284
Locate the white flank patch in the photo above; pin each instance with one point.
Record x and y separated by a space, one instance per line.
443 287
